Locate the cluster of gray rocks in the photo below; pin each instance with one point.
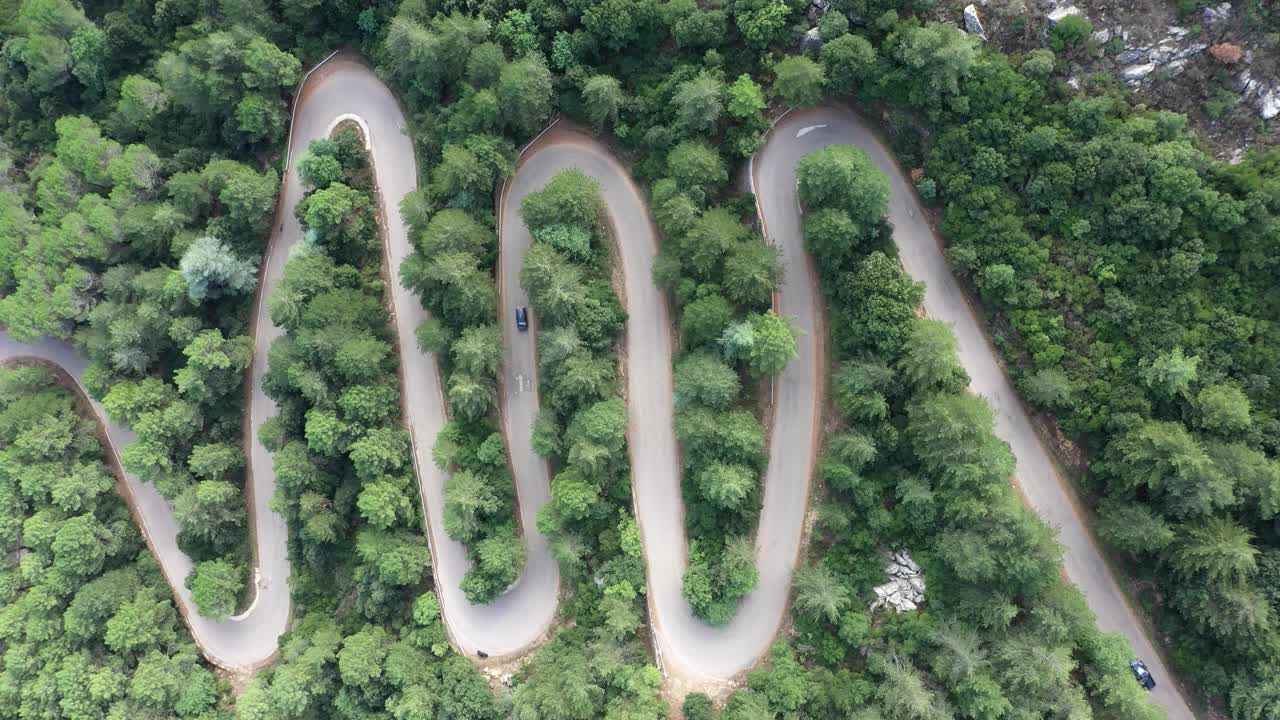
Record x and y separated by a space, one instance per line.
1139 61
905 590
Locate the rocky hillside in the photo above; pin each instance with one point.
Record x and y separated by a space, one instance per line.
1217 62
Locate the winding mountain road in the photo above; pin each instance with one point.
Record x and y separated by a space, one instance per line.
689 649
803 132
341 88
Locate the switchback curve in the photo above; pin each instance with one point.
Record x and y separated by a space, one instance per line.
805 131
690 651
339 88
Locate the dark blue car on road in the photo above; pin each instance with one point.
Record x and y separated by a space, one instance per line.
1140 671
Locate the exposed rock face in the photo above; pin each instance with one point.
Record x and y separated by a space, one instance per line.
972 23
1129 57
1215 14
1265 99
1056 16
1170 54
1269 103
1135 74
905 590
1167 51
811 41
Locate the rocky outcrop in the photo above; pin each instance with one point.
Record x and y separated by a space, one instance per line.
1266 99
1171 54
905 590
1215 14
1057 14
973 23
811 41
1135 74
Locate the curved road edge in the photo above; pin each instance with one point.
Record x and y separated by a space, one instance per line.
1037 475
516 620
690 652
249 640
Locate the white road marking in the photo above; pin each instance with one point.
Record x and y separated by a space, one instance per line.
806 130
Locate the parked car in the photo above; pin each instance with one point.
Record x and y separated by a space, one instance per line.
1140 671
522 318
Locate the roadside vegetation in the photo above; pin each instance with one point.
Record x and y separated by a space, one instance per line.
344 473
86 617
1129 281
914 464
722 276
451 269
1126 275
599 667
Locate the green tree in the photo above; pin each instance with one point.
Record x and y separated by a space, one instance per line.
524 91
847 61
761 22
746 99
1171 374
1171 464
884 301
704 320
562 685
363 655
698 103
774 343
1070 33
697 169
942 55
703 379
319 166
727 486
1049 387
903 694
1224 409
798 80
1133 528
697 706
604 98
571 198
929 358
477 351
1217 551
752 272
819 593
211 511
215 587
843 177
141 100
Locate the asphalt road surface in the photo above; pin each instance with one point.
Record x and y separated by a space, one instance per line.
801 133
339 89
688 648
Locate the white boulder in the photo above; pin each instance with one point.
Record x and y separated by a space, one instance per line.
811 41
1217 13
1269 103
973 23
905 590
1056 16
1133 55
1135 74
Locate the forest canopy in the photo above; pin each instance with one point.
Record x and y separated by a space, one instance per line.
1126 276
